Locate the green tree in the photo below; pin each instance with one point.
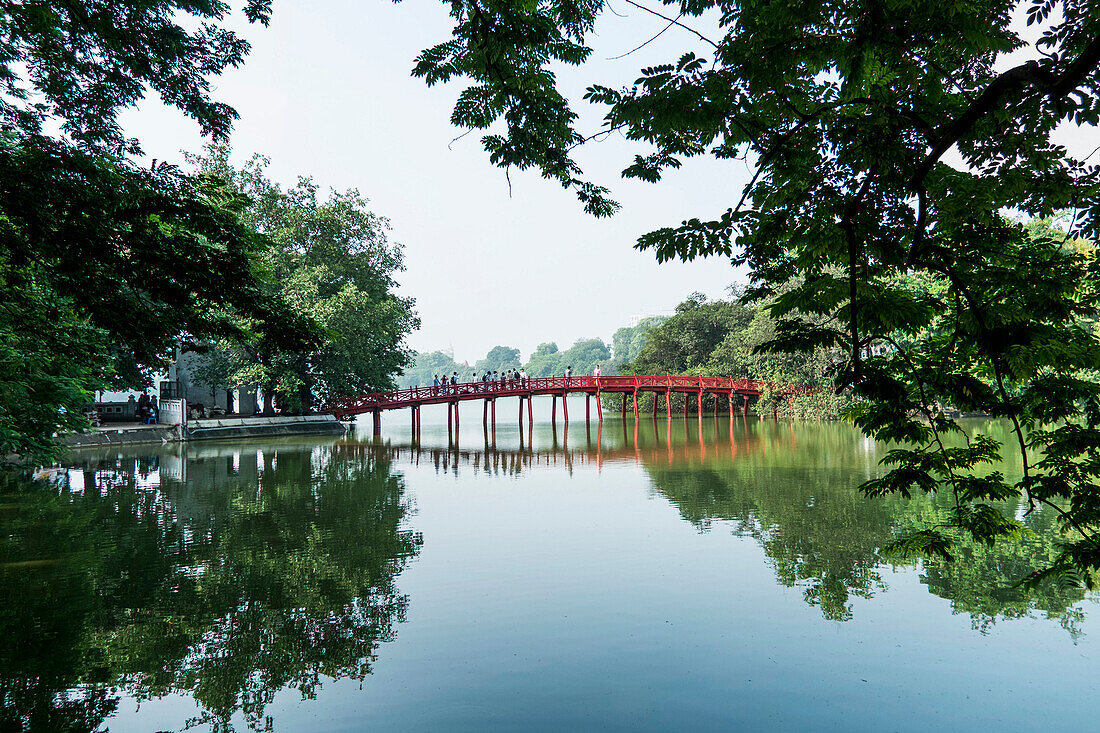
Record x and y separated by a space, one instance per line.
105 270
627 342
545 362
426 366
330 260
684 342
583 356
848 111
106 267
499 358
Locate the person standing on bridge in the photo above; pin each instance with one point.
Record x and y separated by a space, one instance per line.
597 375
435 385
523 378
568 375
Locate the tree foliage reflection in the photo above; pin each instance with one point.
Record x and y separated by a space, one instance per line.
255 574
790 488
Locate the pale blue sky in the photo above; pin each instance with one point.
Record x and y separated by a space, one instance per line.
327 92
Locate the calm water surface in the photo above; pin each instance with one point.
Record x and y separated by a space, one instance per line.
651 576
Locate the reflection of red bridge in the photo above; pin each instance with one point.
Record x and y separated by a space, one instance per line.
732 390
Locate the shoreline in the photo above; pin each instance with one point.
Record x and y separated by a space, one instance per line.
208 429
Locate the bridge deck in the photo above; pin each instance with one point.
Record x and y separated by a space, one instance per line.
555 386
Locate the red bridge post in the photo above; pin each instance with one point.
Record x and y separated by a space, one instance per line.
636 404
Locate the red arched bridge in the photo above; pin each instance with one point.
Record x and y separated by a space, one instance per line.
730 391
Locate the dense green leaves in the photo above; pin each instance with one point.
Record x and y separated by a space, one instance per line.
107 267
627 342
330 261
82 61
104 270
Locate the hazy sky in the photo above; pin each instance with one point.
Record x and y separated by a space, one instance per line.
327 92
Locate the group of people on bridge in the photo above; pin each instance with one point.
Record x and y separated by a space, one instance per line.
490 381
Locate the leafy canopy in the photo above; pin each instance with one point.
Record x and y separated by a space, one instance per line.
329 260
81 61
106 266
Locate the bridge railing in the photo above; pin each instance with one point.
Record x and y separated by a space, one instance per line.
536 385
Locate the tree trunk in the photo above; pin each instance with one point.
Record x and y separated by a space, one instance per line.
269 395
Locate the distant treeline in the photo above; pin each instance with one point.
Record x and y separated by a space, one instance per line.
547 361
712 338
720 338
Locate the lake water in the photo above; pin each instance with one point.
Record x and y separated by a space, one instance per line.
658 576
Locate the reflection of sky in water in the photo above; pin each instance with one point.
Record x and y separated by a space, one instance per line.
650 576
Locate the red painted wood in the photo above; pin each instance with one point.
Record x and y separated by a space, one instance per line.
377 402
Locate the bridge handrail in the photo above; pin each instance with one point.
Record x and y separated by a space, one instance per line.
550 385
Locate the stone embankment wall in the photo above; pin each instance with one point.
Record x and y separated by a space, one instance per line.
123 436
255 427
227 428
